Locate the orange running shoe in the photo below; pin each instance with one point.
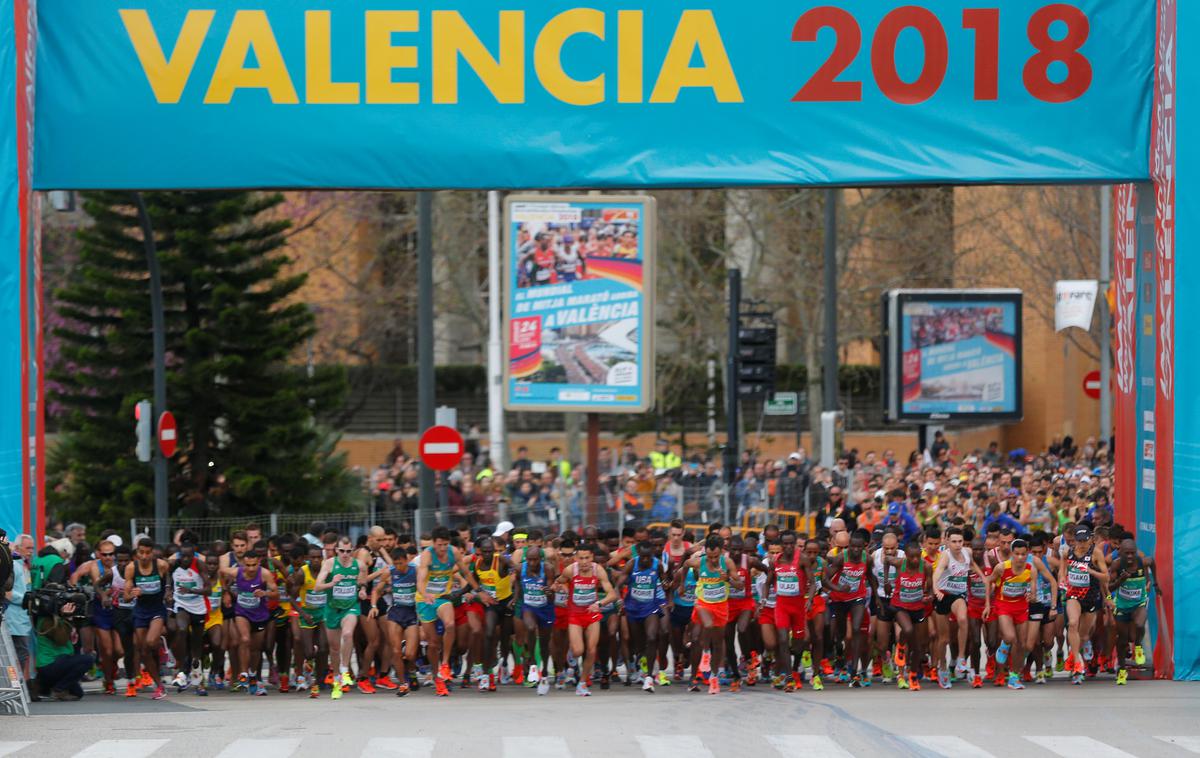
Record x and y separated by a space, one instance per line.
826 667
914 682
283 683
735 685
877 668
145 681
329 678
131 690
798 680
439 686
900 656
109 688
384 683
364 686
444 672
518 674
991 667
977 682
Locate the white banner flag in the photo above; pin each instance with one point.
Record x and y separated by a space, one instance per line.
1074 300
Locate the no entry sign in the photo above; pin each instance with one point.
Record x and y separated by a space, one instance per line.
1091 385
441 448
168 433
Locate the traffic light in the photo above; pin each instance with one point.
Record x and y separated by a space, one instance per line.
756 360
145 430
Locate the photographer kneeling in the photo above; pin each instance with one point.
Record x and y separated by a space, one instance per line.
59 668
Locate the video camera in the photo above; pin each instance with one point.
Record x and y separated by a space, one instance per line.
50 599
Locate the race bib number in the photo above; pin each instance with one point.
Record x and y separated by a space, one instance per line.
787 586
715 593
314 599
345 591
246 600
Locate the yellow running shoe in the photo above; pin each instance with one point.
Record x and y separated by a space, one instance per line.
347 680
1139 655
1122 676
337 691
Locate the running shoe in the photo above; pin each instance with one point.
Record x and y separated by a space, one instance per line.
914 682
476 672
560 681
1014 682
131 690
887 672
385 682
145 681
777 681
798 680
109 688
1087 650
1026 675
705 663
200 691
543 687
329 678
261 691
180 681
991 667
1122 676
714 685
582 690
900 656
1077 678
826 667
518 674
805 659
283 683
1139 655
401 689
505 677
695 685
788 686
483 684
439 687
491 682
535 674
960 668
242 682
1002 653
314 692
337 691
364 686
648 684
876 668
817 685
159 693
663 679
943 679
301 683
855 682
866 681
444 672
977 682
902 681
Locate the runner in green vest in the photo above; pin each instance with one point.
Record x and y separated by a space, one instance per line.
1128 576
341 577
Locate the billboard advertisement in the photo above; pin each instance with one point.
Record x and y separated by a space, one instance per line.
953 355
555 94
579 303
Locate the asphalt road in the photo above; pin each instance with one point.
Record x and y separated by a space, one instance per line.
1097 720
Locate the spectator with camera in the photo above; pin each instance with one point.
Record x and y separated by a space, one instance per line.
59 668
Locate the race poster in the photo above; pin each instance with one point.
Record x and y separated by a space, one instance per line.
960 357
579 303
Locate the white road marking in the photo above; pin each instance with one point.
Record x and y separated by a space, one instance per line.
1078 747
277 748
951 747
807 745
536 747
1190 744
121 749
8 748
673 746
399 747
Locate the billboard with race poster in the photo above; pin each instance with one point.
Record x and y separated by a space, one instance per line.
952 355
579 303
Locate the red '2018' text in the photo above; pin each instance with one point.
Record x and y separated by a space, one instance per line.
825 85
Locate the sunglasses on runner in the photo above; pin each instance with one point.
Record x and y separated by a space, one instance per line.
107 555
345 550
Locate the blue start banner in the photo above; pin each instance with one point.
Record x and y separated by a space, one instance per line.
579 303
551 94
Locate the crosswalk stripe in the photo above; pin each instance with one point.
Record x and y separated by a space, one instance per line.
951 747
1190 744
536 747
1078 747
8 748
277 748
121 749
808 745
399 747
673 746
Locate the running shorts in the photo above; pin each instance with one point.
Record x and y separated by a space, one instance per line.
143 616
561 618
681 615
738 605
791 615
428 612
817 607
1018 612
544 614
214 618
582 617
944 606
642 611
102 618
259 626
334 616
473 607
404 615
1038 611
846 606
882 609
1126 614
766 616
916 616
719 612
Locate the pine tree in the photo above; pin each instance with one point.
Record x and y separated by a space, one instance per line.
248 440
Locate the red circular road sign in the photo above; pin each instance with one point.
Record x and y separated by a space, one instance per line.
168 433
1091 385
441 448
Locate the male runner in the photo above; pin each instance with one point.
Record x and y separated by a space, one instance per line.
950 584
252 587
147 584
1128 577
710 615
537 613
846 578
1084 574
643 578
583 580
790 573
190 578
101 573
401 624
1016 579
907 592
341 577
437 569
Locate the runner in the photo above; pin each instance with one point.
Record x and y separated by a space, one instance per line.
341 577
1084 574
846 578
1043 613
147 584
710 615
190 578
950 585
1015 577
976 618
495 579
790 573
401 624
643 578
1128 579
742 608
252 587
438 568
213 626
101 573
883 617
583 580
907 592
537 614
